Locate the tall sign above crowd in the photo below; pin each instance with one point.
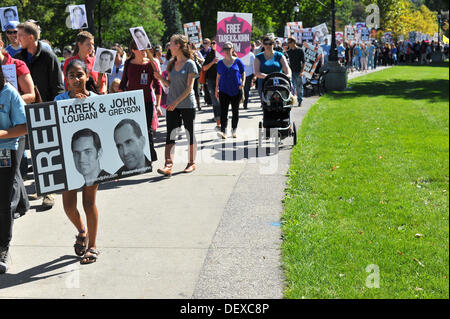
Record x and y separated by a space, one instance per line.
235 28
193 31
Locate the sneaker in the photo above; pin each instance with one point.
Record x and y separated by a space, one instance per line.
5 260
222 135
48 201
217 128
233 133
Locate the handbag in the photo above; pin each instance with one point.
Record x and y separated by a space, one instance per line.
202 79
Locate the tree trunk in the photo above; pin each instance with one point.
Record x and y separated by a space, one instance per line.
90 8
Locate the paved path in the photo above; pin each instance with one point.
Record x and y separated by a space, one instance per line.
212 234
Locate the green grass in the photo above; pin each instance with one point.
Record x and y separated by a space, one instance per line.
371 171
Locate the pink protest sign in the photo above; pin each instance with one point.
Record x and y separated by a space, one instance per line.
237 29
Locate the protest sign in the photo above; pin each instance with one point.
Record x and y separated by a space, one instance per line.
79 142
8 14
349 33
235 28
388 37
78 16
339 36
9 71
312 58
365 34
5 158
359 26
104 60
307 35
320 32
412 36
193 32
294 29
141 38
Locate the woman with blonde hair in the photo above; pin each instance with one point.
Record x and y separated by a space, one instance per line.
180 101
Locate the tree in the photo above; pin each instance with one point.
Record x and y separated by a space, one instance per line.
172 18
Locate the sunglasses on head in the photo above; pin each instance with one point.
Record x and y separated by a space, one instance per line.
227 48
11 32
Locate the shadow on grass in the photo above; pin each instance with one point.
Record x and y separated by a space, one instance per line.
434 91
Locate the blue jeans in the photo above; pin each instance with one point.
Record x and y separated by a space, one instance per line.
297 83
212 92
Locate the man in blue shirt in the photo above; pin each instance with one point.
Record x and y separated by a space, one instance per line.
326 51
11 32
119 64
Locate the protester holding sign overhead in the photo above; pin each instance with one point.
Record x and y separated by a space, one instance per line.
138 74
85 145
12 125
270 61
22 74
84 51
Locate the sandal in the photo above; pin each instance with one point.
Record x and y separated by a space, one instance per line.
91 258
81 244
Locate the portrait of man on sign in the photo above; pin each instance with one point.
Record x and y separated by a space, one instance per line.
130 143
87 151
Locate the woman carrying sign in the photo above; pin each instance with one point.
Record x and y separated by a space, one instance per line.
85 52
229 87
180 101
270 61
12 125
138 74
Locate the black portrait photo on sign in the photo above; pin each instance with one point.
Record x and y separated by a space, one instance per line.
8 14
78 17
104 60
141 38
130 143
87 151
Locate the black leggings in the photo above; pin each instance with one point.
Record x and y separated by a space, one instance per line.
7 175
174 119
225 101
149 117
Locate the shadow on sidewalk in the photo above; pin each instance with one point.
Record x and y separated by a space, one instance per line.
37 273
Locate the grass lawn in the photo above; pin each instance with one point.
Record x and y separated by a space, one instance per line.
368 185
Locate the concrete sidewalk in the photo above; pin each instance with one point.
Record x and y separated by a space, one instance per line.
212 234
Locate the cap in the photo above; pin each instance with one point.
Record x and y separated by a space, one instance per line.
12 25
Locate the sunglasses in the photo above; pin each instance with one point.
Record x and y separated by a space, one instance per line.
268 43
213 42
11 32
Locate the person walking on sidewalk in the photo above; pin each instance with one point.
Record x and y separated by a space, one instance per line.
180 101
138 74
12 125
250 76
297 64
77 75
210 66
229 85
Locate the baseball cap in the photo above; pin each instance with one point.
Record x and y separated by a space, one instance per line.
12 25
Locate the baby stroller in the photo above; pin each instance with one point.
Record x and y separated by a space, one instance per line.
277 104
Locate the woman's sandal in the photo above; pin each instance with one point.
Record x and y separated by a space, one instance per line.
81 244
91 258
